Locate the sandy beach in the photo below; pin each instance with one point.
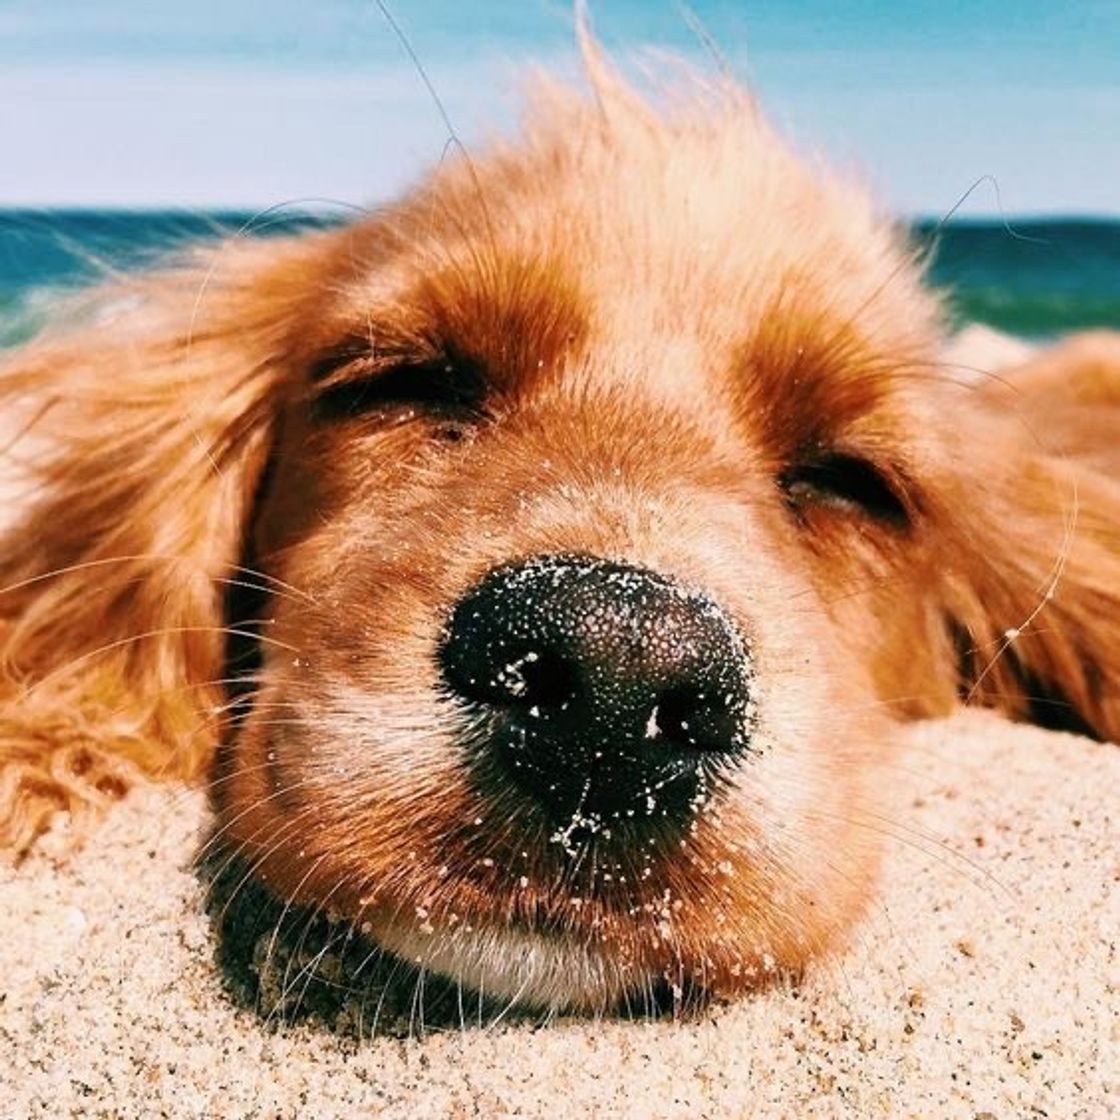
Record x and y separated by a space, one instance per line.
985 984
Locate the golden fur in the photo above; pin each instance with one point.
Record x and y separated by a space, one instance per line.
671 343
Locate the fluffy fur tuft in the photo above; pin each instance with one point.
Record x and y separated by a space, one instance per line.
139 439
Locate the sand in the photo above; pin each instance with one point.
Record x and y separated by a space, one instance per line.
986 984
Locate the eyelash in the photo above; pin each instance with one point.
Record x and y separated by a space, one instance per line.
847 484
445 388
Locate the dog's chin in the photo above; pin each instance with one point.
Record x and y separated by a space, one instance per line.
518 967
289 961
394 967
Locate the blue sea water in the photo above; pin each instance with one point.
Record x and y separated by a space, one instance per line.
1034 278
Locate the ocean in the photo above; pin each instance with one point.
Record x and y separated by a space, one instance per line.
1033 278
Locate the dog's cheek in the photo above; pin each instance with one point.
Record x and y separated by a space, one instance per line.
806 807
333 788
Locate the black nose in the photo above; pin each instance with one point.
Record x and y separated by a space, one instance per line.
612 693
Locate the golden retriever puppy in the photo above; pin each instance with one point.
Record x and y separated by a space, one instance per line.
537 567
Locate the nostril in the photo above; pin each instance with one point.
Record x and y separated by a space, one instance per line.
536 680
673 718
682 717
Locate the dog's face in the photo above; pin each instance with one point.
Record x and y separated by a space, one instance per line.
610 502
585 472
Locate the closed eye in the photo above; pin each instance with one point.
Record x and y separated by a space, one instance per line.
847 484
441 384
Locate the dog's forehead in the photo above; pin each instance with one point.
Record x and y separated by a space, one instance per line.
698 240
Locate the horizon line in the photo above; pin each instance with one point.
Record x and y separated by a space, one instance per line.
323 208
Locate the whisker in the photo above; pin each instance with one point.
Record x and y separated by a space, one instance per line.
159 632
229 822
929 846
1056 574
106 561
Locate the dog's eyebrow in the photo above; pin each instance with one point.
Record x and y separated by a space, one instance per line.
804 380
517 318
512 321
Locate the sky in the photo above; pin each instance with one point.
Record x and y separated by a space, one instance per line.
236 103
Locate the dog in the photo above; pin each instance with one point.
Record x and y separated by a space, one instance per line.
538 567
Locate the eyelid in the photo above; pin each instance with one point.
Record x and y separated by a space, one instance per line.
351 380
840 478
359 356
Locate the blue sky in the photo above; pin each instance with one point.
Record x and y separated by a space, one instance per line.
240 103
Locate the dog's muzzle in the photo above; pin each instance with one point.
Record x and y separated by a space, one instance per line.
608 692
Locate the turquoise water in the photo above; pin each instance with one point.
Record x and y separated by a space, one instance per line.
1035 279
44 253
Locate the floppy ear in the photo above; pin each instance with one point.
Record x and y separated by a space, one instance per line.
1029 559
139 439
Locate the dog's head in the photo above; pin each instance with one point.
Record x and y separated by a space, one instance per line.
602 502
